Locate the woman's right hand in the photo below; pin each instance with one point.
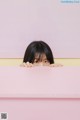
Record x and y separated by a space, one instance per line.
27 64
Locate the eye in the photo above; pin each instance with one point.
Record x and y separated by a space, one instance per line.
46 61
36 61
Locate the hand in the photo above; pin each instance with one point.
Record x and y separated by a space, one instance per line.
55 65
27 64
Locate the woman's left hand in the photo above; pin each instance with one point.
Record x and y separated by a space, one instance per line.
56 65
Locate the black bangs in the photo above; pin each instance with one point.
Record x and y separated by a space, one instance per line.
38 47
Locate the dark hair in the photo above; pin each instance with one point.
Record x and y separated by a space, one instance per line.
38 47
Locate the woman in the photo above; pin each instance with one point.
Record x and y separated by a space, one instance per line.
38 53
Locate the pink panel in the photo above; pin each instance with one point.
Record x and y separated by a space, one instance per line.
40 82
41 109
40 93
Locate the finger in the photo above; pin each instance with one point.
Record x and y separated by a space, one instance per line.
23 65
29 64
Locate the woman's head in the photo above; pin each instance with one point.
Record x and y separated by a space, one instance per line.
38 51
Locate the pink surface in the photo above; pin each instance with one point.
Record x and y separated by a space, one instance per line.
40 82
41 109
40 93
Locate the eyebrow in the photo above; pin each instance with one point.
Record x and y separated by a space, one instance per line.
36 58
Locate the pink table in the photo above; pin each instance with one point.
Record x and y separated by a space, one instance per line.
40 93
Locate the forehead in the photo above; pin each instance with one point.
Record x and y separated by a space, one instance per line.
40 56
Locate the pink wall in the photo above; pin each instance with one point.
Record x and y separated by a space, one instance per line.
56 23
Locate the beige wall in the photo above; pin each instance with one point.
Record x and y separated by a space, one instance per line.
15 62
